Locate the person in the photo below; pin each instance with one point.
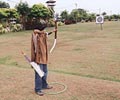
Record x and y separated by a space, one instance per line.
39 54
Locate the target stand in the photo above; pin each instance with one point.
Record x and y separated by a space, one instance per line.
100 20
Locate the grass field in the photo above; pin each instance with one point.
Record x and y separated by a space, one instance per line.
86 59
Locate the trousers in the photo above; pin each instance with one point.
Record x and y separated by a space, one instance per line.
41 83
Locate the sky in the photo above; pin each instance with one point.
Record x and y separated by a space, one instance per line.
92 6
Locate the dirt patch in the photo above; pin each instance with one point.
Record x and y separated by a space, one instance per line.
18 84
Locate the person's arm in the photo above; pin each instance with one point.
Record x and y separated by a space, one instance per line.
32 50
36 31
52 31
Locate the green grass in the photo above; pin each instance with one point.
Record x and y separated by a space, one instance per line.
98 50
4 60
82 49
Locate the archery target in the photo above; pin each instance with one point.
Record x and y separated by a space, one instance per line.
99 19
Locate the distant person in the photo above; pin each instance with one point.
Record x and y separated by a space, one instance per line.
39 54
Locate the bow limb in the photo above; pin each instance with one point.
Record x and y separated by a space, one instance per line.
56 29
55 40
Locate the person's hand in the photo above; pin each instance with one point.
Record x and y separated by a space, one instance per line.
36 31
55 30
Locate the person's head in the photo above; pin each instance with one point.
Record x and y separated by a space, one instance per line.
40 25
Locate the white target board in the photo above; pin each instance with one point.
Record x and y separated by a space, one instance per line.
99 19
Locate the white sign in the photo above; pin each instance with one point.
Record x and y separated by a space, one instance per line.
99 19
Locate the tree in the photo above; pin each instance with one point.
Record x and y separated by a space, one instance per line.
11 13
104 13
91 17
64 15
6 14
75 14
4 5
82 14
2 14
39 11
23 9
116 17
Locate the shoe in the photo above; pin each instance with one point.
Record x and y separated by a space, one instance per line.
40 93
48 87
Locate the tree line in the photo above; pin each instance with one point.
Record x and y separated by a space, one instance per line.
81 15
23 14
29 16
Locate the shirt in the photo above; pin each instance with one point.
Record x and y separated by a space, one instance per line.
39 52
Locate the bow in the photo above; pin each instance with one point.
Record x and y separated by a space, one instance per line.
55 38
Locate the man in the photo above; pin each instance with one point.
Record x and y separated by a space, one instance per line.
39 54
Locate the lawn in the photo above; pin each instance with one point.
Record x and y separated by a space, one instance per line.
86 59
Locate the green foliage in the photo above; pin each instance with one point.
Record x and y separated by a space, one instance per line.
4 60
4 5
15 27
104 13
64 14
12 13
91 17
60 24
23 8
2 13
2 30
6 14
75 14
40 11
51 23
12 28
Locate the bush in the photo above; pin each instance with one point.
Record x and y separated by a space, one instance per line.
12 27
60 24
19 27
67 22
15 27
51 23
1 26
2 29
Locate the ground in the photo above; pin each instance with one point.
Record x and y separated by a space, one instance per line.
86 59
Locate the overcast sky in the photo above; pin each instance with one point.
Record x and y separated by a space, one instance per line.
96 6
